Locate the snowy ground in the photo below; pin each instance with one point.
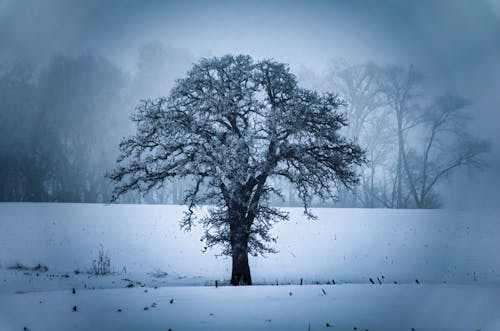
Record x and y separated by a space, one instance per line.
344 307
452 254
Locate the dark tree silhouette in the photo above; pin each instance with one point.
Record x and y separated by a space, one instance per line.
229 126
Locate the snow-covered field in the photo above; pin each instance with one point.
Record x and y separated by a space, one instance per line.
344 307
452 254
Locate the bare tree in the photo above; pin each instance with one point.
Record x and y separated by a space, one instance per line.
446 146
401 87
376 176
230 126
359 86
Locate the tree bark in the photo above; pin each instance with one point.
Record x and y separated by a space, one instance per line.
239 251
241 269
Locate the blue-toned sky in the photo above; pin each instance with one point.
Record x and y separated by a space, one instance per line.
456 42
445 34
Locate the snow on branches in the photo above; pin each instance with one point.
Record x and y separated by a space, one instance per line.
229 126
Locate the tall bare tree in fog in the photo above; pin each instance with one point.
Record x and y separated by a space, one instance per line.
232 125
401 88
412 143
359 86
445 145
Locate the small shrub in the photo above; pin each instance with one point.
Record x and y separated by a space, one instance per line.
102 265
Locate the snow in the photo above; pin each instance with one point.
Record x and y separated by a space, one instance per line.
385 307
451 253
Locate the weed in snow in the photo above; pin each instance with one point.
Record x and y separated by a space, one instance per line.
102 265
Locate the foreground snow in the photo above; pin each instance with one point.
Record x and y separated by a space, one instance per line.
431 270
343 307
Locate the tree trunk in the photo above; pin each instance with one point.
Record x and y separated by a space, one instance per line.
400 158
241 270
239 252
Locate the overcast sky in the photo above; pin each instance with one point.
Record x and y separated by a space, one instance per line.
456 42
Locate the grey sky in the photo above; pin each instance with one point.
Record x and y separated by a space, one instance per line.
456 42
445 34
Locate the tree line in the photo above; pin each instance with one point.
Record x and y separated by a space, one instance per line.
415 137
62 121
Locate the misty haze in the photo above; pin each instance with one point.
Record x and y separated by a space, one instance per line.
234 165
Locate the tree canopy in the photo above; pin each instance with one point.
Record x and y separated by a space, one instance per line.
230 126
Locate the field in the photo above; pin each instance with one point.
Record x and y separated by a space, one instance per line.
431 270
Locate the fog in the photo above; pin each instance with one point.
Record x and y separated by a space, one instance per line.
117 52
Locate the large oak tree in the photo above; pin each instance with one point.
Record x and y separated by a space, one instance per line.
230 126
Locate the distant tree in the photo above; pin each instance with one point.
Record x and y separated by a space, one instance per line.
81 119
402 89
358 84
230 126
18 111
446 147
378 139
432 141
